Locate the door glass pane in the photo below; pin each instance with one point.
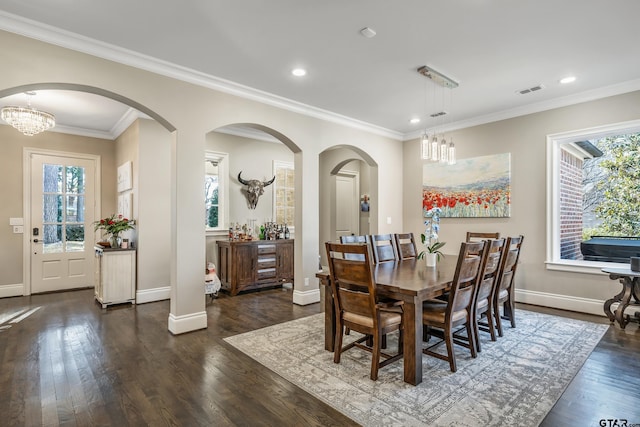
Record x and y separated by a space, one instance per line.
52 238
75 238
75 179
75 209
51 208
52 178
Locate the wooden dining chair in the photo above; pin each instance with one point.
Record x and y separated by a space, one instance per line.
487 287
443 318
473 236
406 245
352 238
357 306
383 247
506 286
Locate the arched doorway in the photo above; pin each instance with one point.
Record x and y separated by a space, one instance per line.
257 153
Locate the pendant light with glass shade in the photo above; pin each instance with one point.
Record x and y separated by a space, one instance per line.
432 149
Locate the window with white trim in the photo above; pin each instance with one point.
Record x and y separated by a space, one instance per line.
284 190
215 190
581 195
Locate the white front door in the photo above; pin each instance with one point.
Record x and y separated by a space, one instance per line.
62 213
347 205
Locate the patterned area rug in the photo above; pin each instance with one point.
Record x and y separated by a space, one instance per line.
514 381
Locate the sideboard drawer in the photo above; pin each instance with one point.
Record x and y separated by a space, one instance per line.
266 273
266 249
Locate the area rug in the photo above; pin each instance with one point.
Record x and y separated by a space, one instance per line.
514 381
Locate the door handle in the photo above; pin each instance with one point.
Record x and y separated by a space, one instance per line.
37 241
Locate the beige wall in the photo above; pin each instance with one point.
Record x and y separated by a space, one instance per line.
11 163
29 62
525 138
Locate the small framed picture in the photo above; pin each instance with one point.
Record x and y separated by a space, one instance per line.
364 203
124 177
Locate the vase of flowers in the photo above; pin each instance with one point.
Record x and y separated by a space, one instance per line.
113 226
430 237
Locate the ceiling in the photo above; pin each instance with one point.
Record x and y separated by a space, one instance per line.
492 48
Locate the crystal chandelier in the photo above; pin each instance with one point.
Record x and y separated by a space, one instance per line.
27 119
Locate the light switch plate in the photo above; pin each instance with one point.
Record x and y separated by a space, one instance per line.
18 229
16 221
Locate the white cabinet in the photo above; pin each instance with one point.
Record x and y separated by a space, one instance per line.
115 276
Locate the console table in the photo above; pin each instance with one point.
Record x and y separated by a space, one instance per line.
115 276
254 264
630 281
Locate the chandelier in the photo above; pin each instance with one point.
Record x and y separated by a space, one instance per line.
443 151
27 119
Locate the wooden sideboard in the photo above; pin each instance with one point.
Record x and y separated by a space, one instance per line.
245 265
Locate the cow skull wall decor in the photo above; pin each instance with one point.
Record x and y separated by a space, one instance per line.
255 189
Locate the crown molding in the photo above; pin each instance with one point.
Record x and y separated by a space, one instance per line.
56 36
565 101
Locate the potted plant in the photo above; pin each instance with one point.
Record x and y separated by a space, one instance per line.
430 238
114 225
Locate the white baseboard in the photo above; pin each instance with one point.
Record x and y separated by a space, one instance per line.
152 295
187 323
16 290
563 302
306 297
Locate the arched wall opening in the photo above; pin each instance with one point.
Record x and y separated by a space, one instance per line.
258 152
343 168
146 143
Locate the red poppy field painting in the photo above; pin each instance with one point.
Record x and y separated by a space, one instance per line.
471 188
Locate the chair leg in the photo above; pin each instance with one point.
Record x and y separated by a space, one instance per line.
509 306
472 334
375 357
448 338
492 329
496 315
476 333
337 347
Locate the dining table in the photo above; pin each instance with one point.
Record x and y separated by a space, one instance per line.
410 281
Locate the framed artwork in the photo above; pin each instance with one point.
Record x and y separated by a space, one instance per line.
364 203
124 205
472 188
124 177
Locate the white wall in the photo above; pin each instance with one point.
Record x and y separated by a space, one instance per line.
525 138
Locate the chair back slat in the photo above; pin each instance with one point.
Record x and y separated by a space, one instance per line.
352 280
466 277
490 269
384 248
474 236
352 238
510 261
406 244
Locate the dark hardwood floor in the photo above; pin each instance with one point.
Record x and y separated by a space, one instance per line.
65 361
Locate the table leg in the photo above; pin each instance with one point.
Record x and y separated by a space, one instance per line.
412 342
626 293
609 302
329 319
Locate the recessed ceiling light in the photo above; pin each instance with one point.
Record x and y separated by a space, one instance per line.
299 72
569 79
414 120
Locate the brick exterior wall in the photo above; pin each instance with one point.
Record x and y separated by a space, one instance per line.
570 206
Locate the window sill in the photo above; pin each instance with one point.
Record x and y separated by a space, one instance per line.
585 267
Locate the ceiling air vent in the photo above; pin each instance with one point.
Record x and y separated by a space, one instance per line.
530 89
438 114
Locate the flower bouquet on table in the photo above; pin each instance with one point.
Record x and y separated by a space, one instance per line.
113 226
430 236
